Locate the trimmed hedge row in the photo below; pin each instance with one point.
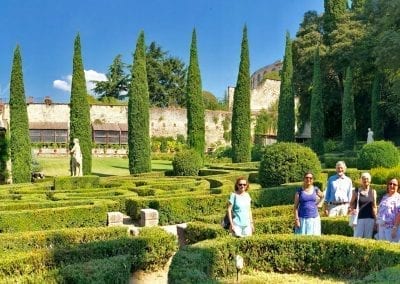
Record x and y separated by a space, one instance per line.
29 205
174 210
56 218
199 231
347 258
115 269
23 241
149 251
76 182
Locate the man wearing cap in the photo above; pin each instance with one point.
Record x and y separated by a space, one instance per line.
338 192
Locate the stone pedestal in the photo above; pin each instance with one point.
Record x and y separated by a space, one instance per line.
148 217
115 219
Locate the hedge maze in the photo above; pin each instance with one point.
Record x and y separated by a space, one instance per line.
55 231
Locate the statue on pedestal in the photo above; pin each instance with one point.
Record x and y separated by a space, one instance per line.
370 136
76 159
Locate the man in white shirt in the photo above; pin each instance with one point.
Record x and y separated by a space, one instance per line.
338 192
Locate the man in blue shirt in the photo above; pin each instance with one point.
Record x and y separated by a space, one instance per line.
338 192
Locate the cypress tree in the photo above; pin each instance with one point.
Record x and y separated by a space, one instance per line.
286 119
195 103
348 113
241 136
317 111
377 123
138 113
20 147
79 116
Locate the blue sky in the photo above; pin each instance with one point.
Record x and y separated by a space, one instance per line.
46 29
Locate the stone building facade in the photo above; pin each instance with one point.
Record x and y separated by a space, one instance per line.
163 121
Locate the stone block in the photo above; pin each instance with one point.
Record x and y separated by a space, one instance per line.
148 217
115 218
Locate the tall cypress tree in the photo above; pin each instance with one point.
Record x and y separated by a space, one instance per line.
20 147
138 113
377 123
241 136
286 119
348 113
195 103
79 110
316 110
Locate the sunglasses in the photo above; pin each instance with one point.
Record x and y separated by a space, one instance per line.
242 184
394 184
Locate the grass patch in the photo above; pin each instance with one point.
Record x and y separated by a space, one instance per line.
260 277
102 166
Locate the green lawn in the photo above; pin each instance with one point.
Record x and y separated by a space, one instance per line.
59 166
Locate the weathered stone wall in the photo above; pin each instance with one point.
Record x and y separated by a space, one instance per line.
163 121
261 97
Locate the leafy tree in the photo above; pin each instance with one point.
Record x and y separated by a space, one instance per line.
195 103
386 30
241 144
348 115
317 113
286 118
377 122
210 101
19 126
79 110
166 77
138 113
266 121
117 81
334 10
307 38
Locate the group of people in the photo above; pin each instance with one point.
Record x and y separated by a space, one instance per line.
339 199
342 200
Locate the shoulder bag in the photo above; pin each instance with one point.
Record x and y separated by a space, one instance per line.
354 217
225 223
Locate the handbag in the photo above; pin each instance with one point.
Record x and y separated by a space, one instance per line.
354 217
225 221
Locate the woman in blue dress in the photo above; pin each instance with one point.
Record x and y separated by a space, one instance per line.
306 216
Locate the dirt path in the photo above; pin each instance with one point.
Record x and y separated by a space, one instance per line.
158 277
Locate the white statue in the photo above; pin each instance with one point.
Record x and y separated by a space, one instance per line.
370 136
76 159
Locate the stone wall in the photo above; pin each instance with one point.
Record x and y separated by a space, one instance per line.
262 97
163 121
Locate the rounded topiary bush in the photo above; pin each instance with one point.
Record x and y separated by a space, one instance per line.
187 163
378 154
286 162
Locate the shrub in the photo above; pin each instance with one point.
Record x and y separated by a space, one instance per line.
187 163
286 162
256 153
331 146
378 154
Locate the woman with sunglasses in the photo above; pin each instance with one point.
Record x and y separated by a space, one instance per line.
239 210
306 216
387 211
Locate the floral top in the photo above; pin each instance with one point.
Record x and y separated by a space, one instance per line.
388 209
